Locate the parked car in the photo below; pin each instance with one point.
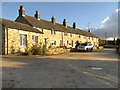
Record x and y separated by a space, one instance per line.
85 47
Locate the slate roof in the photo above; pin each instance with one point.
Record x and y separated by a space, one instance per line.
17 25
32 21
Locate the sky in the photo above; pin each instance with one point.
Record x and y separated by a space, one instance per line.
80 12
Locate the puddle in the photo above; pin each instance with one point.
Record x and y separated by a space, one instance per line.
97 68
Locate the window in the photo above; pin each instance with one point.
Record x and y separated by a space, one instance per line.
40 29
72 43
89 44
44 41
23 40
94 43
67 42
34 39
84 37
84 44
52 32
70 35
92 38
53 42
60 42
89 38
78 36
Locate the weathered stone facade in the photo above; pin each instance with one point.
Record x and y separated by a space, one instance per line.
12 39
26 30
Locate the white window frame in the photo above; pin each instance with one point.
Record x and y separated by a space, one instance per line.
78 36
33 40
60 42
67 42
23 36
70 35
53 42
40 29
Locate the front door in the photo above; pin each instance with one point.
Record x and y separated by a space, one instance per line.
72 43
60 42
44 41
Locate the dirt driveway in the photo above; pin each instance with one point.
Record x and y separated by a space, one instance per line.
71 70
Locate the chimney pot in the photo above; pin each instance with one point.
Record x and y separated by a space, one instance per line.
22 11
74 25
65 23
53 19
37 15
89 30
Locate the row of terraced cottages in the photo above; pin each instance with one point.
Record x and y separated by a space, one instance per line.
26 30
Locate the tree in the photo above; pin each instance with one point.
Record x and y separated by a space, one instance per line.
77 44
118 41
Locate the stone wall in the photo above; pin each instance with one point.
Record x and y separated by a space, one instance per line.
12 39
53 51
58 36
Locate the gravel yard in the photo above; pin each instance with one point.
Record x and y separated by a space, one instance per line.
70 70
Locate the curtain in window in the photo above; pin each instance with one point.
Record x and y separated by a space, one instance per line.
20 40
36 39
23 40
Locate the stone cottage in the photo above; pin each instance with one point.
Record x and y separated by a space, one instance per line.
27 30
17 36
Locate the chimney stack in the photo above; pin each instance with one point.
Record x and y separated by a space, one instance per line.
89 30
53 19
37 15
22 11
65 23
74 25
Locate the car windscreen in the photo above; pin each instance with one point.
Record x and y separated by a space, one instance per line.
84 44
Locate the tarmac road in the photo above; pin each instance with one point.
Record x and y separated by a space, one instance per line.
70 70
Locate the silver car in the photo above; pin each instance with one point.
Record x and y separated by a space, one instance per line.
85 47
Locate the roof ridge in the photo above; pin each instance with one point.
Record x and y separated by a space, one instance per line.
58 27
55 23
18 25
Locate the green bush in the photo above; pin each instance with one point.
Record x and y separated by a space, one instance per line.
37 50
50 46
44 49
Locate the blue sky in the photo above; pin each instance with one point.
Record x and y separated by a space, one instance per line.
79 12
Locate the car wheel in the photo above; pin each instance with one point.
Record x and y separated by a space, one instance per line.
78 50
91 49
87 50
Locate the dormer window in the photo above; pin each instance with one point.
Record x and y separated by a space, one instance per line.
40 29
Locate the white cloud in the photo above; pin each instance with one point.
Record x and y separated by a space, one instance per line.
106 19
108 25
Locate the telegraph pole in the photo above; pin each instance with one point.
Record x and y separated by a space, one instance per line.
106 37
89 27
